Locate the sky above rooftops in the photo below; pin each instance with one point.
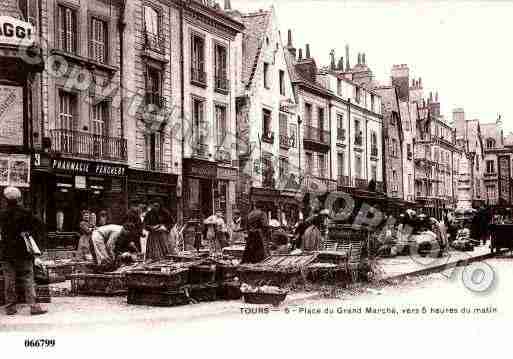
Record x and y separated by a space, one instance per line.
461 49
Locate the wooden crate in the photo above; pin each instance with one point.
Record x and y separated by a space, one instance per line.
109 284
155 298
157 280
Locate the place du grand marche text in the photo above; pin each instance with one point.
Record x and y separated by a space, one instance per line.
371 310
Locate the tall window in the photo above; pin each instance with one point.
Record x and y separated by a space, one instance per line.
221 60
99 122
372 103
322 165
394 147
374 144
490 166
198 115
410 183
284 167
358 166
394 180
341 131
221 124
358 94
98 40
29 10
67 29
358 135
154 151
198 59
68 121
339 87
308 114
267 83
490 143
266 124
154 87
151 20
309 163
284 136
292 135
341 164
282 82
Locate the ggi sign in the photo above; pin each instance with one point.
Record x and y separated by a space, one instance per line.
15 32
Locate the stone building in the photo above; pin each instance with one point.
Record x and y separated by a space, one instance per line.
267 122
497 175
82 161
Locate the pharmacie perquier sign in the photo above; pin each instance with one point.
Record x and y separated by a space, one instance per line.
15 32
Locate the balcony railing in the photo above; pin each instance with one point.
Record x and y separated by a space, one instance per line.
268 136
341 134
361 183
201 150
222 83
287 141
198 76
319 183
315 134
88 145
157 166
344 181
155 42
374 151
154 98
358 141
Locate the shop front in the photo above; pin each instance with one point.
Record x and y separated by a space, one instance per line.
145 187
208 187
65 187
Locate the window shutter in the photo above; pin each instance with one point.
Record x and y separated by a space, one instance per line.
62 29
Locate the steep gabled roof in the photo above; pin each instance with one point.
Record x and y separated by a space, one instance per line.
256 25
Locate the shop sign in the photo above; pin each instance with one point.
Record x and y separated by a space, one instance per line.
80 182
229 174
200 169
265 192
14 170
504 176
15 32
79 167
11 115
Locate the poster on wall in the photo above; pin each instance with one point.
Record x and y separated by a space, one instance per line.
15 170
11 115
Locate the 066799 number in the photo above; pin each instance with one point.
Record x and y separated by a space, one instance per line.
39 343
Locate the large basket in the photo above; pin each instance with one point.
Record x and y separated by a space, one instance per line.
157 280
109 284
264 298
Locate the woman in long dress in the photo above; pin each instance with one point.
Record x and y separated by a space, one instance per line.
255 250
157 222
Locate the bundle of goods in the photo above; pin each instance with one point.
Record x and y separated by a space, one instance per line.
328 273
277 270
61 270
263 295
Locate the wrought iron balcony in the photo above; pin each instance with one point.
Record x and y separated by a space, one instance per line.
287 141
344 181
222 84
155 98
317 135
200 149
361 183
155 42
88 145
198 77
316 183
268 136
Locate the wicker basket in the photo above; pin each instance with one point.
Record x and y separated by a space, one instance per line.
264 298
157 280
109 284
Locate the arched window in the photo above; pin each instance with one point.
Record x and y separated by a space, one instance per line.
490 143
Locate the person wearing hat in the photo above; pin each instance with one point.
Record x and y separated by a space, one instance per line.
236 230
19 262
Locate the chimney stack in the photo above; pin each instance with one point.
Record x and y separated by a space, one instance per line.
333 66
227 5
436 96
364 61
413 83
290 46
359 58
348 66
300 54
420 82
430 96
341 64
307 51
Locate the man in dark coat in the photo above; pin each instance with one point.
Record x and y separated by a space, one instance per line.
19 262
